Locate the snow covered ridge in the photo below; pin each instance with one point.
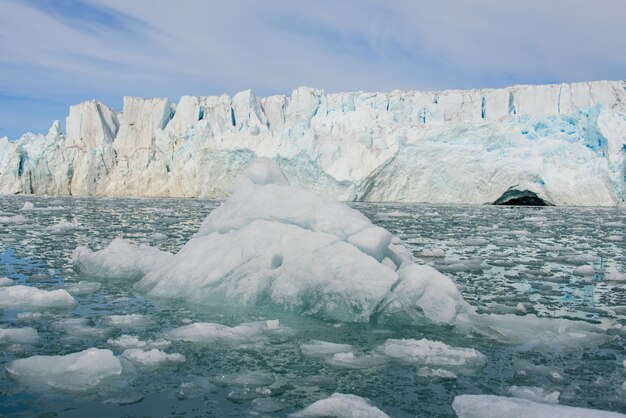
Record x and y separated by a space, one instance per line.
566 143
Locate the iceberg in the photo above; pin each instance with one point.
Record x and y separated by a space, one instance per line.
454 146
74 372
488 406
274 244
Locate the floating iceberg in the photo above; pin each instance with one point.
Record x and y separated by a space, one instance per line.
25 296
273 244
120 260
127 321
75 372
322 348
342 406
490 406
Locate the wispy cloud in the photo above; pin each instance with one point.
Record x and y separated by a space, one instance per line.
88 17
66 51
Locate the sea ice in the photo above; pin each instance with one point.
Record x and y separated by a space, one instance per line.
131 341
584 271
5 281
15 219
26 296
79 328
26 335
490 406
351 361
342 406
62 227
119 260
535 394
151 358
76 372
431 353
212 333
127 321
532 331
322 348
82 288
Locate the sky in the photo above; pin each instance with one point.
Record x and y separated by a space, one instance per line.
55 53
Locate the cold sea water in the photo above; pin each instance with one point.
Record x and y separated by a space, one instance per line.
552 262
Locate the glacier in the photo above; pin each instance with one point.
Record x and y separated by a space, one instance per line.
565 143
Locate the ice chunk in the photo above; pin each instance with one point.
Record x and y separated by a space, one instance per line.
317 348
435 373
535 394
246 378
25 335
76 372
532 331
119 260
5 281
437 252
488 406
82 288
151 358
212 333
342 406
127 321
16 219
351 361
62 227
25 296
28 206
431 353
131 341
79 328
584 271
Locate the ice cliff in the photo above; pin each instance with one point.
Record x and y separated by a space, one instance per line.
566 143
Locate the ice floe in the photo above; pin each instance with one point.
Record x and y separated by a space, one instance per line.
318 348
213 333
429 353
26 296
26 335
151 358
127 321
535 394
131 341
76 372
342 406
82 288
491 406
5 281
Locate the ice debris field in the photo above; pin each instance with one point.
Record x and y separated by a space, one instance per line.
564 143
281 301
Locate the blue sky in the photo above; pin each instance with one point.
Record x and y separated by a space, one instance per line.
54 53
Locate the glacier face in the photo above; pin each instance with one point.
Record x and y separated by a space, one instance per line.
566 143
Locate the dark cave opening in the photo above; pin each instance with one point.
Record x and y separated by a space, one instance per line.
514 197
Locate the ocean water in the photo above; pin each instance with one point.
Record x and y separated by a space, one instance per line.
500 257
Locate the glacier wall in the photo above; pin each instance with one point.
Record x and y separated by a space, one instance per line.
566 143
